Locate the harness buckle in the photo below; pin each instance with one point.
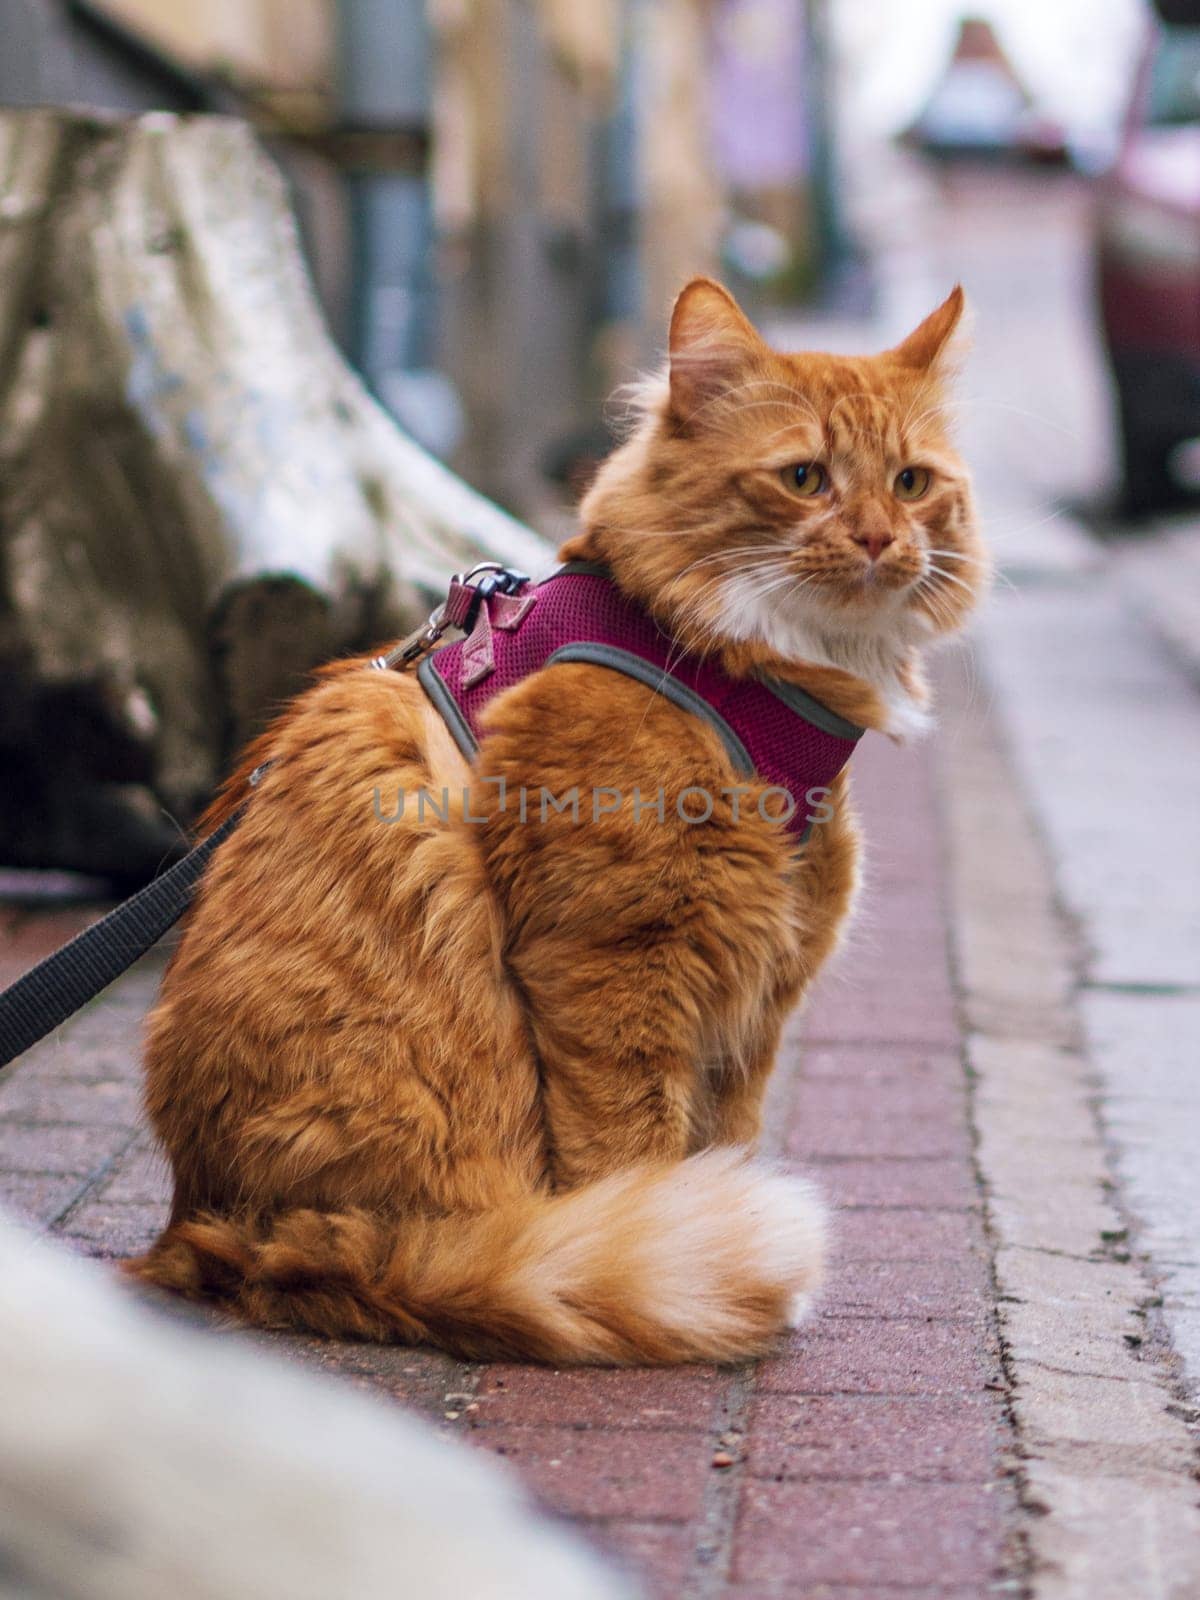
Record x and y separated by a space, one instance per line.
470 590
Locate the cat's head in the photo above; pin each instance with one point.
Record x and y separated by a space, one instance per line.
790 499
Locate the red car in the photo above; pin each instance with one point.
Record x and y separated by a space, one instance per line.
1148 244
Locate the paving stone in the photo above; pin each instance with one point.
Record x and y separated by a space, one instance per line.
657 1555
1096 1409
57 1148
141 1174
93 1061
894 1100
1146 1047
652 1398
1060 1215
1053 1278
892 962
865 1534
881 1437
1107 1458
1118 706
1073 1316
866 1066
604 1473
1100 1540
921 1016
906 1234
897 911
37 1198
829 1120
1064 1339
785 1589
114 1229
1008 1072
423 1380
905 1181
27 1098
951 1291
915 1355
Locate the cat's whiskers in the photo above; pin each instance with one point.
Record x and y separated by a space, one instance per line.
936 602
690 614
762 579
949 577
732 552
693 619
989 573
747 590
788 581
690 611
1005 530
907 422
958 555
696 612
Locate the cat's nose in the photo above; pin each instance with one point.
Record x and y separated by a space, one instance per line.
874 540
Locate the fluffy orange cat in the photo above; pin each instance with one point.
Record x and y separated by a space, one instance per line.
495 1086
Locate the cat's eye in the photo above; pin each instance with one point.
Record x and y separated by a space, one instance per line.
912 483
805 478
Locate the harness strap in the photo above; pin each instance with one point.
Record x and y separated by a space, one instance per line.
661 681
772 730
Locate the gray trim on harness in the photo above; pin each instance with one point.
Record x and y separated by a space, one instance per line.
802 703
633 666
460 729
586 569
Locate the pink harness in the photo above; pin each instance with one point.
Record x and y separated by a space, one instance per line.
770 729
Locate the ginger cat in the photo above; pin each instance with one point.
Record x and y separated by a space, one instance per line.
495 1086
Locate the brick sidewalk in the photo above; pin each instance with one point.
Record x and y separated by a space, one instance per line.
868 1457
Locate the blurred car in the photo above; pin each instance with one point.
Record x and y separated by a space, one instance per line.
1148 262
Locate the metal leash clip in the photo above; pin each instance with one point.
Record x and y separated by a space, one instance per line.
416 644
468 590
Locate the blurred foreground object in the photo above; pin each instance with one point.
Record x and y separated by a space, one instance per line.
200 501
1148 251
140 1458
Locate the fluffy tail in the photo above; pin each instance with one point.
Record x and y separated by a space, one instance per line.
704 1261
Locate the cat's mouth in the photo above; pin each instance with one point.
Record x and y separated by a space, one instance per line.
871 583
873 576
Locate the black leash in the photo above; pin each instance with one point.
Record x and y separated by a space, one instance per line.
58 986
61 984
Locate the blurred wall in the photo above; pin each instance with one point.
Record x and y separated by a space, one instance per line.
49 56
286 44
587 157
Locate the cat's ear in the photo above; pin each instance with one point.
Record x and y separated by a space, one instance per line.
710 342
933 343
